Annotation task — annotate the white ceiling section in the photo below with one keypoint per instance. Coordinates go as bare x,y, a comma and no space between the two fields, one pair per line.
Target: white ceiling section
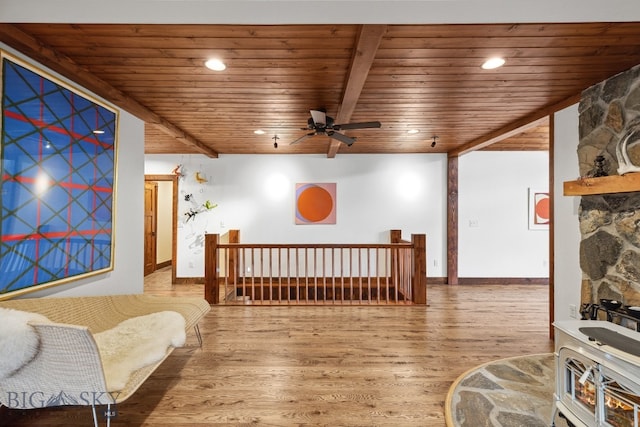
317,12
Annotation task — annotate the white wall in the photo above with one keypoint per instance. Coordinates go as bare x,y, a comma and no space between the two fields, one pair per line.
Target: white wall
494,238
375,193
255,194
568,274
127,275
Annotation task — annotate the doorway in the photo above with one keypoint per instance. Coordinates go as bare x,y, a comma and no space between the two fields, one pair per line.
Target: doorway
151,221
150,226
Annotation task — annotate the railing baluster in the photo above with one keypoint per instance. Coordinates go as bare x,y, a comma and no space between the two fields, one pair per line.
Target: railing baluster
359,251
388,297
369,275
279,274
396,292
252,275
379,274
315,275
297,276
324,275
226,272
288,274
270,256
333,274
243,262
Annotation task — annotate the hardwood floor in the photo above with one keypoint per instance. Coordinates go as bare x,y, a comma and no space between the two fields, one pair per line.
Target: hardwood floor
327,366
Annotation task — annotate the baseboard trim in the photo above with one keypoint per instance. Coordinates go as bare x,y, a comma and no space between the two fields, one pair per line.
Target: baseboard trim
503,281
189,281
163,264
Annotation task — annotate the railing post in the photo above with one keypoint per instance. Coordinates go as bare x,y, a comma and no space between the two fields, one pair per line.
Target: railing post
395,236
232,273
211,285
419,281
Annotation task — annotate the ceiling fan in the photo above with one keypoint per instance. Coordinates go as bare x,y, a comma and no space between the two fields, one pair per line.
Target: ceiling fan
321,124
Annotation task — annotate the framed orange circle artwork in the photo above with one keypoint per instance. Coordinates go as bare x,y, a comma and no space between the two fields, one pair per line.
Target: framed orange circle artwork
315,203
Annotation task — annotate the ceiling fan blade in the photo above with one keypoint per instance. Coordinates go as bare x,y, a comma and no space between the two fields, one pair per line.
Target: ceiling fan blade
319,117
363,125
342,138
302,138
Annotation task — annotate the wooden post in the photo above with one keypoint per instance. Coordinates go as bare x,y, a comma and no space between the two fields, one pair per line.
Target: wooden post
211,287
419,281
452,220
232,273
395,236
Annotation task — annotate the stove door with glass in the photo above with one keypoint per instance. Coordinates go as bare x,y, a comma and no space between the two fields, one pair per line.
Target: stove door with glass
596,385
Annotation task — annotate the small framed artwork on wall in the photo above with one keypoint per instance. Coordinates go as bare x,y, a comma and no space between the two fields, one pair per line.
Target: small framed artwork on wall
539,212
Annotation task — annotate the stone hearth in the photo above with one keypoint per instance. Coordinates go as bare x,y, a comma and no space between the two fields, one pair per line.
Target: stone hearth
505,393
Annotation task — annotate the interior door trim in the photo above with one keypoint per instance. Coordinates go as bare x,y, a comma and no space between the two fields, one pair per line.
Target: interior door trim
174,220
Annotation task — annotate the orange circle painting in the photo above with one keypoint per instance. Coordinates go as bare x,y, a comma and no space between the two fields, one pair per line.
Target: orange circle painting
315,204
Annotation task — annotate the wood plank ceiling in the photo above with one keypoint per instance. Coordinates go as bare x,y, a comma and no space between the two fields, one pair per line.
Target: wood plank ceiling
425,77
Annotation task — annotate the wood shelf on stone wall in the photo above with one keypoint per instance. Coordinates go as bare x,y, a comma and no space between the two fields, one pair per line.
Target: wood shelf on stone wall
603,185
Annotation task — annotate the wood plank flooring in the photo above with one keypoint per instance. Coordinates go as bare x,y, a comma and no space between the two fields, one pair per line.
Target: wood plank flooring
326,366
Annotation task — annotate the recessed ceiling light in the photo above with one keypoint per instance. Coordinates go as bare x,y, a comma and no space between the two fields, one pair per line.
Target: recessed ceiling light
258,132
215,65
413,131
492,63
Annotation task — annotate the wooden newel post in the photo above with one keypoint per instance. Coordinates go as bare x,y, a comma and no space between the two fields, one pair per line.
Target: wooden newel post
419,281
395,236
211,291
232,267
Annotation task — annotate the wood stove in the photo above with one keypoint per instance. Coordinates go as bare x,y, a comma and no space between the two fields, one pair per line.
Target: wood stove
597,374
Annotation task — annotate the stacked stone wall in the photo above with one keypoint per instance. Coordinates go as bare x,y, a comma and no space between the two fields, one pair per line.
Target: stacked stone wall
609,224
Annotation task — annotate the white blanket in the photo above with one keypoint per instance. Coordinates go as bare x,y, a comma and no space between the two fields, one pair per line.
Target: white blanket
19,341
138,342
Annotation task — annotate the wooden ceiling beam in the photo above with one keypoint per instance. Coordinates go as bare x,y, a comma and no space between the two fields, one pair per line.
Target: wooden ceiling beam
513,128
367,44
64,65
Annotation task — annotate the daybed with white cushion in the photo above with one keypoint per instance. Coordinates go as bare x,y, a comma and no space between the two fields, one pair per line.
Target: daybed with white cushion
76,350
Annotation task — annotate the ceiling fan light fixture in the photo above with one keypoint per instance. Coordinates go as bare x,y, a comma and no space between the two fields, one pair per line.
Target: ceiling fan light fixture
215,64
493,63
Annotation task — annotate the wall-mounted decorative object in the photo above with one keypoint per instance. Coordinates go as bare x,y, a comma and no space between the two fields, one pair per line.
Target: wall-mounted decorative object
177,171
538,210
315,203
200,178
628,140
58,164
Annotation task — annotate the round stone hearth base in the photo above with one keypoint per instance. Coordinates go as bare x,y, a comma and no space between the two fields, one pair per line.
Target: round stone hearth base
511,392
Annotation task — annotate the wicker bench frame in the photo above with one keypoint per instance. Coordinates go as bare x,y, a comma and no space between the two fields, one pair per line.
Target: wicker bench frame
67,369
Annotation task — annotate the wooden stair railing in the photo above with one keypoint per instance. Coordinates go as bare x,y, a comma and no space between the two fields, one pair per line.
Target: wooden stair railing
271,274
